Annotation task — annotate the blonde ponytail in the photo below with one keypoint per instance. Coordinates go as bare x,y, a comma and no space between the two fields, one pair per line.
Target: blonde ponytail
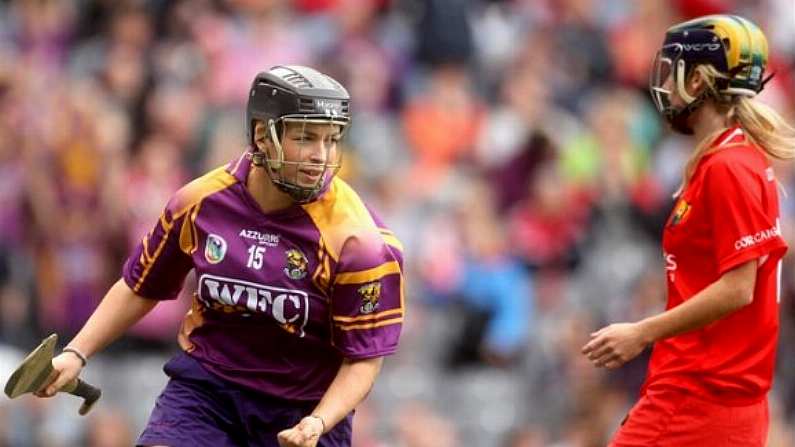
762,125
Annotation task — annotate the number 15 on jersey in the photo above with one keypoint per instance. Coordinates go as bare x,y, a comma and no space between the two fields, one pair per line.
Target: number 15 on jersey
255,255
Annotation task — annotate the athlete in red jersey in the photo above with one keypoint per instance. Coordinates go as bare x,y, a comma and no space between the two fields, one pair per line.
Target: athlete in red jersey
715,345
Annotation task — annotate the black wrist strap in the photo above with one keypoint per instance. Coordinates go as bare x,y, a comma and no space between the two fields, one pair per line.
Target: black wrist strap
77,353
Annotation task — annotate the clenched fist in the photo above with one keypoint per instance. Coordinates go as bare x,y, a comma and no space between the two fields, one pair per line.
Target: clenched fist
306,433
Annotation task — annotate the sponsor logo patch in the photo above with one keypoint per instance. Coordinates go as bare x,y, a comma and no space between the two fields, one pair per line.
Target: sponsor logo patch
701,46
269,239
329,106
749,240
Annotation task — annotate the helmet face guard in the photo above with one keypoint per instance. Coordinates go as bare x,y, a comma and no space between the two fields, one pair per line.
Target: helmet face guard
667,76
305,175
663,68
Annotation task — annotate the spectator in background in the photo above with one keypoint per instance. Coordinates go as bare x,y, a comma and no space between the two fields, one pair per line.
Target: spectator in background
69,208
515,138
442,124
439,432
494,290
550,225
444,33
109,429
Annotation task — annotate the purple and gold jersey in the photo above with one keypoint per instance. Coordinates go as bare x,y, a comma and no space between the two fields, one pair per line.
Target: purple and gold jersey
282,297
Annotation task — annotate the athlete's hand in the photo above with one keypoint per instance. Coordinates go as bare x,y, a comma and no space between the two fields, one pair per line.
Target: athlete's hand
614,345
66,367
304,434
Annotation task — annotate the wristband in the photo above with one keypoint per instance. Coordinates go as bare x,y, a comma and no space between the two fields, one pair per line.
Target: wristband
80,355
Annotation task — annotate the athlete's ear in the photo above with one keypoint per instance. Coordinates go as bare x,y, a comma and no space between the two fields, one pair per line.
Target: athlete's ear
696,83
261,136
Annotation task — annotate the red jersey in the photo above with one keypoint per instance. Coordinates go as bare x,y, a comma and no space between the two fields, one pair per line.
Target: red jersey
728,215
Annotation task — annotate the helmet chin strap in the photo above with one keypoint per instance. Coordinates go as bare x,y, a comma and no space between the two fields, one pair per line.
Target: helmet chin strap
260,158
279,162
680,82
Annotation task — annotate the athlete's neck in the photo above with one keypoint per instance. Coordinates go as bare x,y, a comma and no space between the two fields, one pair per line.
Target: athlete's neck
707,121
265,193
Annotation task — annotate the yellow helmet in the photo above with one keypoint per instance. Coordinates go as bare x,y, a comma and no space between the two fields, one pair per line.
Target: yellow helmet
734,46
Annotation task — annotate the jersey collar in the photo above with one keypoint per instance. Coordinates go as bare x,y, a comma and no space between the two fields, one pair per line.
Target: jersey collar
733,134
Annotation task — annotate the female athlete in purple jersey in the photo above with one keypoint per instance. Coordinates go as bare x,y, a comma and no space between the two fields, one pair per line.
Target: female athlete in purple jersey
300,285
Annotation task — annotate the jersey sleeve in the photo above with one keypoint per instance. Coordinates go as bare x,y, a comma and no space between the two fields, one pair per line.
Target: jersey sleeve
743,214
158,265
367,302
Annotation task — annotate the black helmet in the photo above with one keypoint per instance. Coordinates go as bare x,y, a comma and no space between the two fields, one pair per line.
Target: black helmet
294,93
734,46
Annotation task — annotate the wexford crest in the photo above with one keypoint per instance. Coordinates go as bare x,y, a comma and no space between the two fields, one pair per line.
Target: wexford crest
297,264
370,293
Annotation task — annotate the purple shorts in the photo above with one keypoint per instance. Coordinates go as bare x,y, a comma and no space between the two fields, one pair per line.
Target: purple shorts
198,409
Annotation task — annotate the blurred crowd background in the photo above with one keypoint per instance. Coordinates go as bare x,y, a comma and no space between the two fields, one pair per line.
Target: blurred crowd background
511,145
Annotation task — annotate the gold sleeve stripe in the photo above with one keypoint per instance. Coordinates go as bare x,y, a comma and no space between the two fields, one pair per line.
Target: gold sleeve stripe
187,239
326,268
392,240
323,271
375,316
167,230
402,292
319,268
370,325
146,258
375,273
188,235
195,231
145,252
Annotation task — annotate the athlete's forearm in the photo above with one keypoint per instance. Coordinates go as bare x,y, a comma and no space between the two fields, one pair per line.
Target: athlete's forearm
119,309
354,380
733,291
